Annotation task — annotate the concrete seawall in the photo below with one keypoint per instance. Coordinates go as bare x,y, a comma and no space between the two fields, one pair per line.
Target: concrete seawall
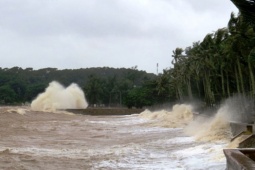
105,111
243,157
240,159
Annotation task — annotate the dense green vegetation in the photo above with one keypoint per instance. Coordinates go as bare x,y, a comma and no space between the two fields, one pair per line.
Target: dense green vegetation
221,65
102,86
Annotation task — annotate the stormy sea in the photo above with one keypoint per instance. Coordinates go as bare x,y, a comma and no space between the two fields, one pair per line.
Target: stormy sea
40,136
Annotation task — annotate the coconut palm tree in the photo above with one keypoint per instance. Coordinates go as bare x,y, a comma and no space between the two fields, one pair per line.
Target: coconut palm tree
177,72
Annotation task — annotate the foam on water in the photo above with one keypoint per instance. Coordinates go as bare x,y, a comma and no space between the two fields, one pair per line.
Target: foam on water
203,156
180,116
117,142
20,111
128,142
184,153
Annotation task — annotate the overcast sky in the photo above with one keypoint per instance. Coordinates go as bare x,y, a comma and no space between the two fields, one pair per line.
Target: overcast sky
96,33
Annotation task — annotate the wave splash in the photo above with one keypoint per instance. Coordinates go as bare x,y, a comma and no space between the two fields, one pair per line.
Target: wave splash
203,128
180,116
56,96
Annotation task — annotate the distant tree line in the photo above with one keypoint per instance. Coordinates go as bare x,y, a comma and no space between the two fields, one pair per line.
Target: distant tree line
102,86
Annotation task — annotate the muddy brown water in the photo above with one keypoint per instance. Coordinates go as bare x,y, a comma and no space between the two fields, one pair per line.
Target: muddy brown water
40,140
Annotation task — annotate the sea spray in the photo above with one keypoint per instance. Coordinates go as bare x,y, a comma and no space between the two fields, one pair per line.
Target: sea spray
202,127
180,116
238,108
57,96
211,129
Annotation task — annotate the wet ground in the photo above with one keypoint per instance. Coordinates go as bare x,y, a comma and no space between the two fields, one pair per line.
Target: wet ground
40,140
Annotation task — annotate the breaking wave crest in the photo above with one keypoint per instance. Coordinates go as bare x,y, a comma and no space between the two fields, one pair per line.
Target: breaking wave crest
180,116
57,96
211,129
203,128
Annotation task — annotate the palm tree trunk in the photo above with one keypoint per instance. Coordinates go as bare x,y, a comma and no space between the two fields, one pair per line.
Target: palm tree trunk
237,81
222,83
252,79
208,91
189,89
205,91
198,89
228,90
179,93
240,74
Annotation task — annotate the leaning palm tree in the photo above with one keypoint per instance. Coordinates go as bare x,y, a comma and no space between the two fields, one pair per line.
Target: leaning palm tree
247,9
177,54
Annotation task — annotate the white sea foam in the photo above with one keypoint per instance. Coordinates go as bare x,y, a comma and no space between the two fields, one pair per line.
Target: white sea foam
180,116
112,143
20,111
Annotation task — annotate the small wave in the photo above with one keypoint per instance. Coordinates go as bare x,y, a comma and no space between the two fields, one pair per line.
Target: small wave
20,111
180,116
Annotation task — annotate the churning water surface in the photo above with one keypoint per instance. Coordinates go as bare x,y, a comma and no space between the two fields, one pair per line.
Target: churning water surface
45,140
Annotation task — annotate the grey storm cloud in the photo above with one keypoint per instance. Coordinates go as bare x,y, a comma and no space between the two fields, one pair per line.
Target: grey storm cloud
86,18
96,33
